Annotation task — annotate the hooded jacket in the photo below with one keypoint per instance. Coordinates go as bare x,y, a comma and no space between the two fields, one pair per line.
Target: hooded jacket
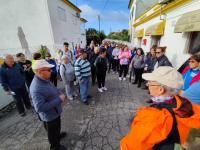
152,126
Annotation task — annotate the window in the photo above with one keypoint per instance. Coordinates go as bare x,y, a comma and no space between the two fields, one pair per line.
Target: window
194,46
155,40
62,14
74,19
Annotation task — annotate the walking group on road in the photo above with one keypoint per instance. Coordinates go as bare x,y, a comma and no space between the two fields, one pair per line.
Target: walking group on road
163,125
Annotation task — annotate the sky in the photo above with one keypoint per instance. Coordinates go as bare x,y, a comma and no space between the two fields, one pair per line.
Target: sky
114,14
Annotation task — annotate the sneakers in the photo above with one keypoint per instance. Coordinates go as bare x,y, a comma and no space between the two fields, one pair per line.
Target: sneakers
100,90
70,98
124,79
120,78
104,88
23,114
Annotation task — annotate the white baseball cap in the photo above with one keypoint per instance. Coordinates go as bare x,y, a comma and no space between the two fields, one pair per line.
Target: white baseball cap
42,63
165,75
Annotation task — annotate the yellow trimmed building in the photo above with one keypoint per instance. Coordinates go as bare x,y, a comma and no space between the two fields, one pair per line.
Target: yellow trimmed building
171,23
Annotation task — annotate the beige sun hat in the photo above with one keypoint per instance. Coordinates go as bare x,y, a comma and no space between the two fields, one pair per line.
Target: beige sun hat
42,63
165,75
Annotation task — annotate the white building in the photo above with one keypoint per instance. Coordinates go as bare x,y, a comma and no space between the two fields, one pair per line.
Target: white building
28,24
175,24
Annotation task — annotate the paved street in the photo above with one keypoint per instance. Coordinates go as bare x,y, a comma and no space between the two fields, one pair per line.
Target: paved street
98,126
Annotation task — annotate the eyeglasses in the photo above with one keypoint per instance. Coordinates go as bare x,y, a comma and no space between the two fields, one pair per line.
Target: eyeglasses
191,61
49,70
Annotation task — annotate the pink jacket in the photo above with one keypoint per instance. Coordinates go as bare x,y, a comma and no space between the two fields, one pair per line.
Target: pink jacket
124,57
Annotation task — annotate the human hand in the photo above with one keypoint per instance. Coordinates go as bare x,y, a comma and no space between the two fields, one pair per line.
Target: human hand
62,97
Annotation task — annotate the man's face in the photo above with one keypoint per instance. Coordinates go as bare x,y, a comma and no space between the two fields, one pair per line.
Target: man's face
66,47
9,61
45,73
159,53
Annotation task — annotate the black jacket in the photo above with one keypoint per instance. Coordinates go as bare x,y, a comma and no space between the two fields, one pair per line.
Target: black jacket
101,65
163,61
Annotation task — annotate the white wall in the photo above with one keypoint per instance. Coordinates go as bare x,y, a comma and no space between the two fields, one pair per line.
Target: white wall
63,31
32,17
177,43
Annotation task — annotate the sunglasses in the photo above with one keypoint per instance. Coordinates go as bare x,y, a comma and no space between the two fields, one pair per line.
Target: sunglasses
49,70
158,52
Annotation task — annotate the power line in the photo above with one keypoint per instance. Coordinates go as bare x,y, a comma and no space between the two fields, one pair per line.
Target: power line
105,5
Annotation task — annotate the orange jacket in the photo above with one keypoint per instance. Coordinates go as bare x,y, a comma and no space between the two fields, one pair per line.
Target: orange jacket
151,125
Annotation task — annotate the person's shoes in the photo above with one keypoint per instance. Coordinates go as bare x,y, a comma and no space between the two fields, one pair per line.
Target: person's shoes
149,101
23,114
124,79
70,98
120,78
86,103
134,83
104,88
139,86
63,135
89,96
62,147
100,90
75,95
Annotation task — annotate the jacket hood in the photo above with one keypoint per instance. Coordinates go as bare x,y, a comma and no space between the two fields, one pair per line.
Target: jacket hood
183,107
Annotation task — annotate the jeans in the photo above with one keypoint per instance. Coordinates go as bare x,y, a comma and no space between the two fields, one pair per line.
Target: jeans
69,87
21,98
84,86
53,132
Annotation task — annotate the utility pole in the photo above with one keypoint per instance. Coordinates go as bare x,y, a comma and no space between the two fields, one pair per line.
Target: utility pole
99,19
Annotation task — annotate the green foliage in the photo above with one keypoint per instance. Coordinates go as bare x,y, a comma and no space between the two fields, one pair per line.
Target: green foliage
42,51
94,35
123,35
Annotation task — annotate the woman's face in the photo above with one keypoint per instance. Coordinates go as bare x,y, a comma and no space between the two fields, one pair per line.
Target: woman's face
139,52
152,51
65,60
193,64
155,89
126,49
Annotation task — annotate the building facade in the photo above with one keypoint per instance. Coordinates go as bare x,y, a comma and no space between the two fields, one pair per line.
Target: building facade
28,24
174,24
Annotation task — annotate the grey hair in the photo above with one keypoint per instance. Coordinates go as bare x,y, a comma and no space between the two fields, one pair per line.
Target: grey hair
169,90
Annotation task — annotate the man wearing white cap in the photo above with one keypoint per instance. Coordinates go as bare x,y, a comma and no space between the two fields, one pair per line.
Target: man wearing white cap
167,122
47,102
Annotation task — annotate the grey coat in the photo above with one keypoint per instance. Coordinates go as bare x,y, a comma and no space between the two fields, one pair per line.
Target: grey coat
67,72
137,62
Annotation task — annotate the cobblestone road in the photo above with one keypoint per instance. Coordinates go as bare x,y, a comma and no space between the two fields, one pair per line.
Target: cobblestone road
98,126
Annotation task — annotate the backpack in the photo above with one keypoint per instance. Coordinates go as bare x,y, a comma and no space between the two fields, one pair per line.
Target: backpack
172,142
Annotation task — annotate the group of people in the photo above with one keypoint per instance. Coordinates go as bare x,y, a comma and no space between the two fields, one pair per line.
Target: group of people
174,99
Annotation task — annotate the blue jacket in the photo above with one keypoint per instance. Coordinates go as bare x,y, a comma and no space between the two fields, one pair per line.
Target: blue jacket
45,99
12,78
53,62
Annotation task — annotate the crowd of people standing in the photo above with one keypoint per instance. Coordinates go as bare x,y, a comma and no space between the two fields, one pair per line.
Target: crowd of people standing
36,81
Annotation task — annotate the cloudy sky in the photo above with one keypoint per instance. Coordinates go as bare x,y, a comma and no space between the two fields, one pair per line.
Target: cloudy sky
114,13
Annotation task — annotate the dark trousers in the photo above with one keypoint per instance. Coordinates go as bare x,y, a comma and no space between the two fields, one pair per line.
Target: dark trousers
53,132
123,69
116,65
101,77
21,98
110,65
93,72
53,79
138,75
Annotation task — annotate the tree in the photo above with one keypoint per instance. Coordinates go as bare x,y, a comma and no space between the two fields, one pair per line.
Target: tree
123,35
93,35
